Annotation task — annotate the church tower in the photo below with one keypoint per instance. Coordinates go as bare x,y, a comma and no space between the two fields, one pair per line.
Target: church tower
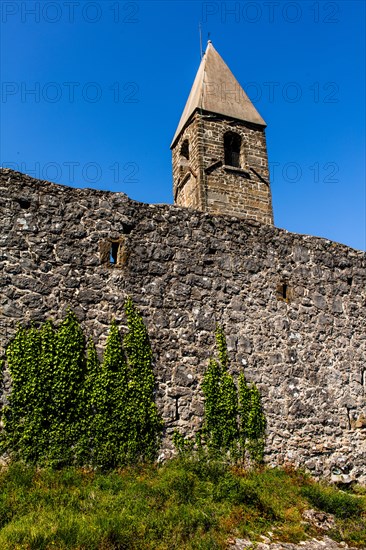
220,162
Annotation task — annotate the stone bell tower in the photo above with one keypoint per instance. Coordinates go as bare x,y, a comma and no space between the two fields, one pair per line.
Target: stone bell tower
220,162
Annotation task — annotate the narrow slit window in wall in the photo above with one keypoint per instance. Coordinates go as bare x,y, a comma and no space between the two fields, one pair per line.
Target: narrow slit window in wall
283,292
113,253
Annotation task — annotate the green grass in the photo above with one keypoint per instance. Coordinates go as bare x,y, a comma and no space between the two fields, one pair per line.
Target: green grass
184,504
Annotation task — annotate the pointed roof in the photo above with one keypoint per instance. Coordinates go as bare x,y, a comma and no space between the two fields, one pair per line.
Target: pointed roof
216,89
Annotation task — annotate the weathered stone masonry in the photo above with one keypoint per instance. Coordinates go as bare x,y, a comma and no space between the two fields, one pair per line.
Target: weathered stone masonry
293,306
205,183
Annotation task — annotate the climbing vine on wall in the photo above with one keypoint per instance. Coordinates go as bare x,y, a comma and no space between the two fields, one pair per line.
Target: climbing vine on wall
47,369
67,408
126,422
254,424
221,401
144,424
234,421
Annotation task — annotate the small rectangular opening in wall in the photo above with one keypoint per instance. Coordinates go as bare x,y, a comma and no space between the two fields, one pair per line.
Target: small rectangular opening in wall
283,292
113,253
349,281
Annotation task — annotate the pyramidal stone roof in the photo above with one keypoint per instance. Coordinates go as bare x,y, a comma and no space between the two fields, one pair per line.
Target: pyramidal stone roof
216,89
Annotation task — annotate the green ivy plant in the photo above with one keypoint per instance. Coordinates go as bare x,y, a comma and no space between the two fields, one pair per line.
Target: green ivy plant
256,426
84,449
127,423
67,408
144,422
221,401
234,422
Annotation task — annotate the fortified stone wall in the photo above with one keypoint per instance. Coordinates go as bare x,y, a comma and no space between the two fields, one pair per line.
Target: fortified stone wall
292,306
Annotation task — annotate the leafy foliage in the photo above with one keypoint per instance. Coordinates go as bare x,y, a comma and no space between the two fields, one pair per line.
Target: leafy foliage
86,410
221,401
66,408
144,423
33,413
234,420
127,423
109,397
66,385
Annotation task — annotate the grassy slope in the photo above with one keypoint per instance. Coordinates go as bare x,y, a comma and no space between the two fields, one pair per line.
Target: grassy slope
184,505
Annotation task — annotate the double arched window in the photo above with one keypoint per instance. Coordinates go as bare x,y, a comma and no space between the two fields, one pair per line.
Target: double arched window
232,146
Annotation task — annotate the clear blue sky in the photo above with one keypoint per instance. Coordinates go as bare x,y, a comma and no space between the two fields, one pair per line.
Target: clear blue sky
110,80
